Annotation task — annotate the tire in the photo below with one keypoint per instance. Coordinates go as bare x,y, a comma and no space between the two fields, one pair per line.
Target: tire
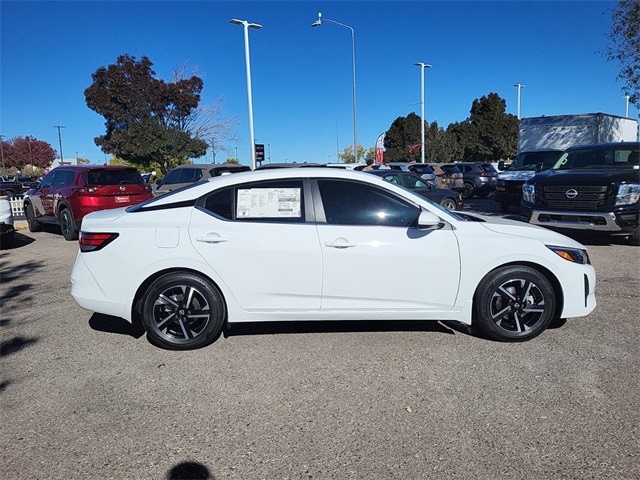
449,203
30,214
67,225
504,208
182,311
514,304
468,191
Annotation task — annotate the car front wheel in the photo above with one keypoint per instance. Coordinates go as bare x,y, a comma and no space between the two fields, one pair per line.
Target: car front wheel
449,203
182,311
514,304
67,225
468,191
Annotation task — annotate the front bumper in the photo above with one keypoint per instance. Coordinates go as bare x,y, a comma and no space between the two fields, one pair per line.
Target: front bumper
597,221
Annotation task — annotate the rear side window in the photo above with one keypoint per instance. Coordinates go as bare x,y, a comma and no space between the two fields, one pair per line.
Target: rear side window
113,177
275,201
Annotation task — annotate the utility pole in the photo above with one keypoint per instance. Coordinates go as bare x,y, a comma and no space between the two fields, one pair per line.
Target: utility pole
2,154
60,140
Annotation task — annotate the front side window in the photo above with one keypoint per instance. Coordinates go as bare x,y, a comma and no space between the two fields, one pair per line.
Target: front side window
353,203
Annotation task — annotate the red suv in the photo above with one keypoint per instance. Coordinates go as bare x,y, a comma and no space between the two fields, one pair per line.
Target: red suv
67,193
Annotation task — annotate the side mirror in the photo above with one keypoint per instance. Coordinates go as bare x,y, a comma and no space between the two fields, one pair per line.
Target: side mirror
501,165
539,167
428,220
34,185
158,182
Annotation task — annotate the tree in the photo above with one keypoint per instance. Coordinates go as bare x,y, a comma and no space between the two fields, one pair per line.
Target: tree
19,152
404,138
347,154
625,46
147,120
489,134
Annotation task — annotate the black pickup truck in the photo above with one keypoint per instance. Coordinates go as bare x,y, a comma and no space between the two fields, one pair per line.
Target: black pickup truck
16,185
591,187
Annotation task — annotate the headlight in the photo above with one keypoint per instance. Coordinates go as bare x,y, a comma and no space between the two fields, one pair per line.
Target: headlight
628,194
574,255
529,193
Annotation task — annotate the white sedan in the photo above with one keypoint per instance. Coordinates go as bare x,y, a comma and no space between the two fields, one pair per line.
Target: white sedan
321,244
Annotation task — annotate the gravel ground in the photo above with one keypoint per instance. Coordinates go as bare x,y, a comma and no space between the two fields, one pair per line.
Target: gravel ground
87,396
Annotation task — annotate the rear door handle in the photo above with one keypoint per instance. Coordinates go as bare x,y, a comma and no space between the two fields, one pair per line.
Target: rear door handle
211,238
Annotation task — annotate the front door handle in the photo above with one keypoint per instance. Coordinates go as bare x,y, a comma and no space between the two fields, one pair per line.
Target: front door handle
340,243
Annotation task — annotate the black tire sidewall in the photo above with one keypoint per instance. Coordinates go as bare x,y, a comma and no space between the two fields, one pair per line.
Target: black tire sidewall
66,217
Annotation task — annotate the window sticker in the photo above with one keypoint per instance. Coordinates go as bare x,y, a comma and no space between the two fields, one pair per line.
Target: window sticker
269,203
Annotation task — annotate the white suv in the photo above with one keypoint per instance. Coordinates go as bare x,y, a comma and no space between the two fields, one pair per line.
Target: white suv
7,231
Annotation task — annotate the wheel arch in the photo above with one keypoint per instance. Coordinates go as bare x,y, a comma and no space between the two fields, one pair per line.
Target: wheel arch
137,299
553,280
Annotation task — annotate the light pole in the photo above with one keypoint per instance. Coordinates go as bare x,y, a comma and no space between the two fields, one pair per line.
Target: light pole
519,86
626,112
247,26
60,140
422,66
319,22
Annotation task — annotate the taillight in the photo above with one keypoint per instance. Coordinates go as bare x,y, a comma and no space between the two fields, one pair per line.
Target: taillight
91,189
91,242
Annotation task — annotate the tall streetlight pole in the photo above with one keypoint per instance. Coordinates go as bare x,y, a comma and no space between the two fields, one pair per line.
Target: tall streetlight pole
247,26
60,140
626,112
319,22
519,86
422,66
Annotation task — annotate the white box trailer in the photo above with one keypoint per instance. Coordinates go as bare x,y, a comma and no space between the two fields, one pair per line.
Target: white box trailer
560,132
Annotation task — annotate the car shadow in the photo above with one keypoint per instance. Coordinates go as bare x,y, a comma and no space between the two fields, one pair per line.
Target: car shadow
111,324
359,326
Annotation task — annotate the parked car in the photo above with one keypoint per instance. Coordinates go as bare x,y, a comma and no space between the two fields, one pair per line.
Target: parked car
7,230
310,244
68,193
480,179
424,170
449,199
12,187
269,166
184,175
448,176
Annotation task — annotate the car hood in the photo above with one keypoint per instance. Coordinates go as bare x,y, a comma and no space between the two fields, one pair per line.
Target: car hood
517,228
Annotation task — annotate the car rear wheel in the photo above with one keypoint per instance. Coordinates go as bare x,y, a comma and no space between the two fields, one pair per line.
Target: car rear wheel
182,311
32,223
634,237
468,191
67,225
449,203
514,304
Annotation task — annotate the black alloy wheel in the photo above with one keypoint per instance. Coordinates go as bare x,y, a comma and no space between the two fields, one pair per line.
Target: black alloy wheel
182,311
514,304
67,225
30,214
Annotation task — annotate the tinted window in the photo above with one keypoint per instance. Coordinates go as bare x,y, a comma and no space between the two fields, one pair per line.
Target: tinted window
64,178
351,203
113,177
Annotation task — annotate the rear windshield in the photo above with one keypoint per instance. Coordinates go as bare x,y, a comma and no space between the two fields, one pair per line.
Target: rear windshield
421,169
113,177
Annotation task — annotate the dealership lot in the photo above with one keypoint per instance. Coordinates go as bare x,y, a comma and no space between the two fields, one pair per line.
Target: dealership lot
86,395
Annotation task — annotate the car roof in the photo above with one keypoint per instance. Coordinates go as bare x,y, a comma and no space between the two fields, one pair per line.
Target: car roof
95,167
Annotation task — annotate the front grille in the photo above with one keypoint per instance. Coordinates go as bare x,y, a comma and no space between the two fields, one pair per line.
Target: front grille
588,197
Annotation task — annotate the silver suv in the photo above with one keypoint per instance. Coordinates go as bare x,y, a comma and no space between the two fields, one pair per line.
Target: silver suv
184,175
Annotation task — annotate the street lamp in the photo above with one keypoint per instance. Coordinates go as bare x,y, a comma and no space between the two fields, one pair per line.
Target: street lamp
247,26
626,113
422,68
519,86
319,22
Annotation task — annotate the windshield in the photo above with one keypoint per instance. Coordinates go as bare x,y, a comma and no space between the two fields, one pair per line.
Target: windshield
529,160
600,158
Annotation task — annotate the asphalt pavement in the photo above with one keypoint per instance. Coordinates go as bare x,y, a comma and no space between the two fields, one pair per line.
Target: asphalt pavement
87,396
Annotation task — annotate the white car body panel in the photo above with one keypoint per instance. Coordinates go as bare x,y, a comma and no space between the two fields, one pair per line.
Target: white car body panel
265,274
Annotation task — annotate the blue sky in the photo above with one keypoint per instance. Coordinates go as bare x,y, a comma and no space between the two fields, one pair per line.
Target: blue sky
302,76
